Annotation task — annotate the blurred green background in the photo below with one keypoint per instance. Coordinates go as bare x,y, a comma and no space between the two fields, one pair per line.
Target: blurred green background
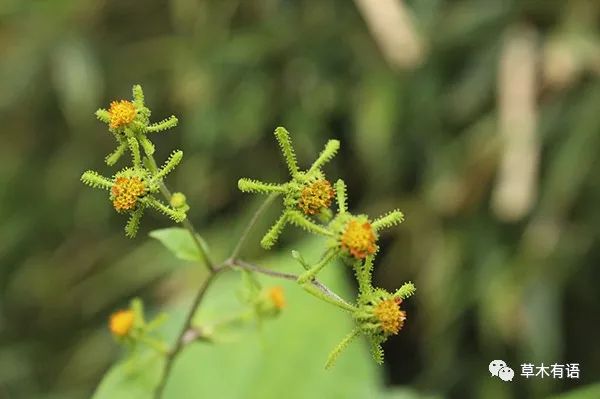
479,119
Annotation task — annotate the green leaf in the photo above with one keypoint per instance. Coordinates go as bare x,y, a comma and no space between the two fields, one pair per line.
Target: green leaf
180,242
284,357
133,378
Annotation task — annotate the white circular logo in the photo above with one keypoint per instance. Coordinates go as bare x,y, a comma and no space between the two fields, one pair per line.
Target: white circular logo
495,366
506,374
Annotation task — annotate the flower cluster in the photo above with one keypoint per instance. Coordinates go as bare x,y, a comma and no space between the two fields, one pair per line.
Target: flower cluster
378,314
306,195
307,198
353,238
133,189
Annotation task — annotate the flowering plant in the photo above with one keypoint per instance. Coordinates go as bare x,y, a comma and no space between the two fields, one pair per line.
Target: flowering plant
307,199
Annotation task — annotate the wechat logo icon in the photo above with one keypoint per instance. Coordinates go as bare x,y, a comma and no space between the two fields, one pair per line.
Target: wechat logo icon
499,368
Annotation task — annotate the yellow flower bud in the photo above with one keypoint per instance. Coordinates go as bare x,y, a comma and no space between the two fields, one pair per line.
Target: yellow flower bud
277,297
178,200
121,323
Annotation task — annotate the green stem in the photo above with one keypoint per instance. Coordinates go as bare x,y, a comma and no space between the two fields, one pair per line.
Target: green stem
363,274
180,343
259,211
309,274
186,222
318,286
311,289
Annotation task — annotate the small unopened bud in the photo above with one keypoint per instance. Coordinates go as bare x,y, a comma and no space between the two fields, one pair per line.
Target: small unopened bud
277,297
270,302
178,201
121,323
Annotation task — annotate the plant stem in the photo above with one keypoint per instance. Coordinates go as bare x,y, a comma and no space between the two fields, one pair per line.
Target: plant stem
310,273
196,333
310,288
184,335
186,222
259,211
318,289
180,343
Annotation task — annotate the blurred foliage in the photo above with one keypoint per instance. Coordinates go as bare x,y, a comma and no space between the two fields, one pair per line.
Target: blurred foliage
424,140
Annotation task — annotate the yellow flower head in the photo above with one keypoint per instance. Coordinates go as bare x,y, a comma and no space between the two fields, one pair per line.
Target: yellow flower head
121,323
316,196
359,239
390,317
121,113
276,296
126,191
